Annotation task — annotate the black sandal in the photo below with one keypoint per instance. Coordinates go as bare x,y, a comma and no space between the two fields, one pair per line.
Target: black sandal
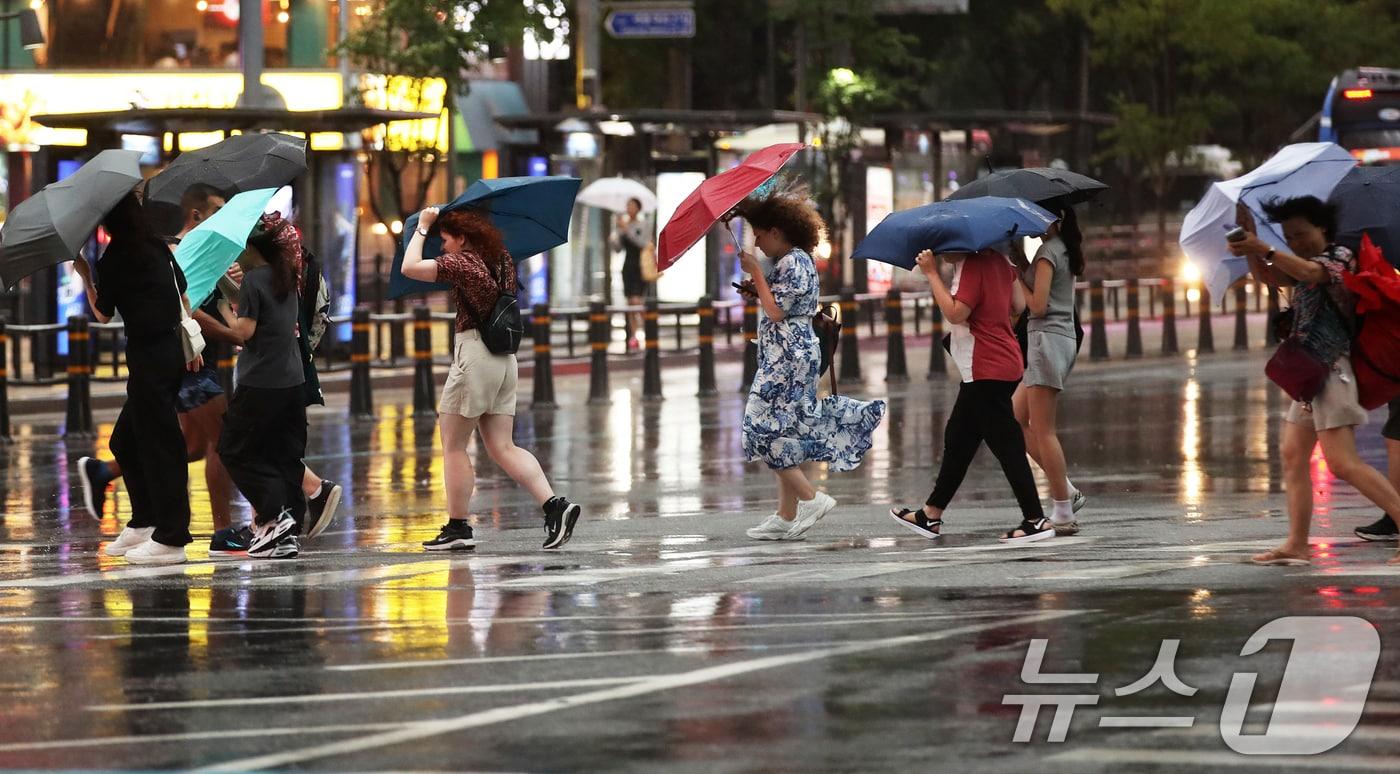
1031,531
920,524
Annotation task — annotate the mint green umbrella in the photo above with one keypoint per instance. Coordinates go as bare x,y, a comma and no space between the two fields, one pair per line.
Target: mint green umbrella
210,248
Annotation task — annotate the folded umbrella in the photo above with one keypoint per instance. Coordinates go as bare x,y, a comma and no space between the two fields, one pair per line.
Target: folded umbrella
244,162
961,226
1301,169
1052,189
613,194
532,214
209,249
51,226
1368,203
717,196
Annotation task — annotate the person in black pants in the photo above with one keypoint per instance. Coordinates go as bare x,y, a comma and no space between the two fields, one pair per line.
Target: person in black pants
138,278
985,295
264,435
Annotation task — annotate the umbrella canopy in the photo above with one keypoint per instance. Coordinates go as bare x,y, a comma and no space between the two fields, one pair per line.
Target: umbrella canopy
51,226
963,226
532,213
210,248
1368,203
1052,189
716,196
613,193
1301,169
243,162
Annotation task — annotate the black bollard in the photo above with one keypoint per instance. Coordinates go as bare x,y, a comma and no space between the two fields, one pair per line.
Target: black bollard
706,311
599,332
361,393
4,384
1270,335
1241,319
1098,334
651,364
896,366
1205,340
1169,346
750,344
1134,326
544,360
78,423
937,365
424,398
850,338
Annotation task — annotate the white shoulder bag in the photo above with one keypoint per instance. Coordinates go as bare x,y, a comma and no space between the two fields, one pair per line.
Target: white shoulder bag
191,337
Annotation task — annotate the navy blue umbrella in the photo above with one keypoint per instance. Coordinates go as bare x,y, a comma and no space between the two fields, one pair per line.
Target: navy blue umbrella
1368,202
959,226
532,213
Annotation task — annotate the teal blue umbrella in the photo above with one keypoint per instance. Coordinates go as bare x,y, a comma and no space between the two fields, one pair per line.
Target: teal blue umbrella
207,252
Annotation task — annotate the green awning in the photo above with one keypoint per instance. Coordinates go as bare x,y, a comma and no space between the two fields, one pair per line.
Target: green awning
475,128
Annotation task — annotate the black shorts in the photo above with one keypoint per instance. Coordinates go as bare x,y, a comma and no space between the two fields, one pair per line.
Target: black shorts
1392,424
632,284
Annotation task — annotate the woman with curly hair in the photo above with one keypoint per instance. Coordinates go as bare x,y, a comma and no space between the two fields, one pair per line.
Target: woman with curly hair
480,389
784,423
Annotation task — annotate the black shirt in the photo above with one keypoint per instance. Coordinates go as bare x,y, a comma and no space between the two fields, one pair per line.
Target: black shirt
138,279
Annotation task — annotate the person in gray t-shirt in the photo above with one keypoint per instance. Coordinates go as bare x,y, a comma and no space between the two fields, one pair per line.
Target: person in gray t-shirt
1051,348
271,356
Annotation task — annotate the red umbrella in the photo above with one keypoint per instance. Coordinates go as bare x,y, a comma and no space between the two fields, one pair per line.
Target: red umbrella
716,196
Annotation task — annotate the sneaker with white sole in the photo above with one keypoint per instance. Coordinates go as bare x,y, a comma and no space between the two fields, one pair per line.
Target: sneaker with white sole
773,527
95,477
129,538
809,512
1077,500
288,547
151,552
1031,532
320,510
266,536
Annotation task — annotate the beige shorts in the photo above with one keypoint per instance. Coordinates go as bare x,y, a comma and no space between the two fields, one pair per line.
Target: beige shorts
1336,406
479,382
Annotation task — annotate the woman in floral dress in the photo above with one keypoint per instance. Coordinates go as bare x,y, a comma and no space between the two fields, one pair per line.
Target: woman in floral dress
784,423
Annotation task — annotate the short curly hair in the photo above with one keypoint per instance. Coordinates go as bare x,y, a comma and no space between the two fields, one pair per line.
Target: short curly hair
793,215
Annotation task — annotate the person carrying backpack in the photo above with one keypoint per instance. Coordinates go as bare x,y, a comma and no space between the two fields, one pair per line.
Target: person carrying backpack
480,389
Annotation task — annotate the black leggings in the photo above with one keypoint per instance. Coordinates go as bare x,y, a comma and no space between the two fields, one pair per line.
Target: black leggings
263,441
983,412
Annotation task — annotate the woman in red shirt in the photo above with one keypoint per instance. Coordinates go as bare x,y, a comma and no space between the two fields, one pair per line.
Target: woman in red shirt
986,295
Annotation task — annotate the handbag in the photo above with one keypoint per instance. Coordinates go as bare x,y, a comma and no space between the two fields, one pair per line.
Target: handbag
1297,371
191,337
648,262
826,323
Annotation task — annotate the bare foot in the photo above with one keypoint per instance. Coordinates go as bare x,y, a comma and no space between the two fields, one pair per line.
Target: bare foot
1282,557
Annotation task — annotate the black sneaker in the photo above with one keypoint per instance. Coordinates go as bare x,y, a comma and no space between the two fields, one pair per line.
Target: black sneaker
286,548
231,541
455,534
320,510
1382,530
267,536
95,478
559,518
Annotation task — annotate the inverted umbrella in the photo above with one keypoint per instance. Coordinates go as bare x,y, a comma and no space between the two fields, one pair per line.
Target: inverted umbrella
962,226
51,226
717,196
1368,202
1301,169
244,162
613,194
210,248
532,214
1051,188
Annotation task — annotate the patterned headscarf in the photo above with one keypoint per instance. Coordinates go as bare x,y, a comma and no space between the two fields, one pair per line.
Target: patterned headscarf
285,236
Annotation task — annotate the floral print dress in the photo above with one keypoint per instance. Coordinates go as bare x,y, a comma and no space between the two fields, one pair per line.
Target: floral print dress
784,423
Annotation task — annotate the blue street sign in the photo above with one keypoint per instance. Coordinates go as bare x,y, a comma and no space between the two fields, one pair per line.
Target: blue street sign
652,23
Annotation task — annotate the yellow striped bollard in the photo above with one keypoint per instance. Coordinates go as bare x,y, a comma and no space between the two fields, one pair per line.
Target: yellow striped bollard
1098,333
78,423
705,309
544,358
361,393
651,365
896,365
599,332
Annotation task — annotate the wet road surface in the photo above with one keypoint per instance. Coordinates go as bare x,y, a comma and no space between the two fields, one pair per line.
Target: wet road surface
662,637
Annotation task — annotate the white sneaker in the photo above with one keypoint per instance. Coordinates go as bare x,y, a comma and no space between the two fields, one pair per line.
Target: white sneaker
1077,500
151,552
774,527
129,538
266,536
809,512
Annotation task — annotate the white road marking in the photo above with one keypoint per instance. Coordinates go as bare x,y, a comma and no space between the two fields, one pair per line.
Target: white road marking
431,728
196,736
1198,760
403,693
845,571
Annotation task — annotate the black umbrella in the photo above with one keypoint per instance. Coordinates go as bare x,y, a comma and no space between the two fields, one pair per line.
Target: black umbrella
1052,189
245,162
51,226
1368,201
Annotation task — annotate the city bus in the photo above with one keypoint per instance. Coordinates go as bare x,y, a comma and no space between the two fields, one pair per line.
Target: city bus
1362,114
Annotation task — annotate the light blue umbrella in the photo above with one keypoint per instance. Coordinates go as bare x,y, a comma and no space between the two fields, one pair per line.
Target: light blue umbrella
207,252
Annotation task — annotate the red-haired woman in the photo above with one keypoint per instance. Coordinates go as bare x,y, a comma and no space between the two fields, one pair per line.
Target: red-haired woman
480,389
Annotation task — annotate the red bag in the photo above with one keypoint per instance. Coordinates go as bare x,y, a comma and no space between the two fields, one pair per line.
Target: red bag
1297,371
1375,351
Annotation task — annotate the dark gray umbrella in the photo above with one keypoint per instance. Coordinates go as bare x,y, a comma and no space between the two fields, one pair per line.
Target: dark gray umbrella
1052,189
51,226
1368,202
245,162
